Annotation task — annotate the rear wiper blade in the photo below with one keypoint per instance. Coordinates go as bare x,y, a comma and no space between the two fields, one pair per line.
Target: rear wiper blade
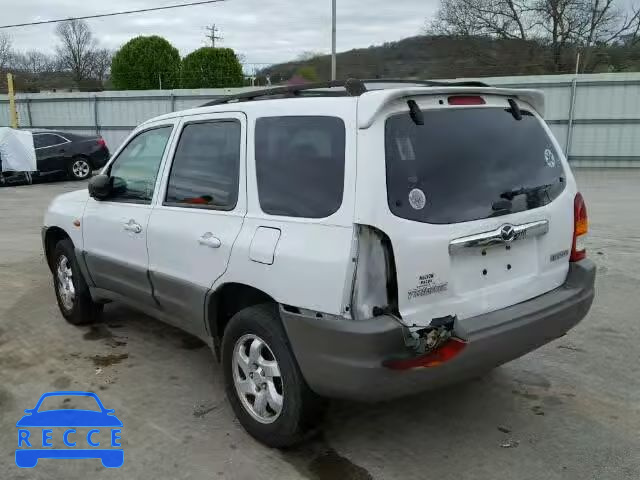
511,194
501,207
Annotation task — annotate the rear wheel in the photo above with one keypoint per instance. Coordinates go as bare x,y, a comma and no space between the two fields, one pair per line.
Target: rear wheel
79,168
263,382
72,292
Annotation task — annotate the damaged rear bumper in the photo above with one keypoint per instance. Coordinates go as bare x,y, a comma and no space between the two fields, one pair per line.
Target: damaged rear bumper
344,359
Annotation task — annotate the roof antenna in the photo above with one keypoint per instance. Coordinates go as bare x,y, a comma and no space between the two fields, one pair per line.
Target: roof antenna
415,112
515,109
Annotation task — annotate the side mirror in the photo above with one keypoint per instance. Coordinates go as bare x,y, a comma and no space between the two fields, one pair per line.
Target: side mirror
100,187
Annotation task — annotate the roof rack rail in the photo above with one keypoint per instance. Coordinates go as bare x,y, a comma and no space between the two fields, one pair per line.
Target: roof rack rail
352,87
429,83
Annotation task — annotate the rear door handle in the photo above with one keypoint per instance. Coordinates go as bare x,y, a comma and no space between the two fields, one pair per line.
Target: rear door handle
133,226
209,240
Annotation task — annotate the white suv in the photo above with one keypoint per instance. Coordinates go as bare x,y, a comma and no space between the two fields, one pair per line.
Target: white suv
351,241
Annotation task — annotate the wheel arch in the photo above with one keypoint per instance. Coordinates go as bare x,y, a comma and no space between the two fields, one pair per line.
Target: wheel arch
227,300
51,238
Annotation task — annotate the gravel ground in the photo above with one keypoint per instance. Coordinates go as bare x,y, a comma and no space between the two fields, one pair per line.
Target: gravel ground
570,410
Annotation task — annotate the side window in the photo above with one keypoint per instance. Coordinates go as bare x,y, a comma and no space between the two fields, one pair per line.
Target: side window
300,165
43,140
135,170
38,141
206,166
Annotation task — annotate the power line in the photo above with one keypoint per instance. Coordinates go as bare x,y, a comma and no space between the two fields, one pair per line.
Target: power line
127,12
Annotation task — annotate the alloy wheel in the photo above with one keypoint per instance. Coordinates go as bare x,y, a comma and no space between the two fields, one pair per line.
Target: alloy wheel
64,279
80,169
257,379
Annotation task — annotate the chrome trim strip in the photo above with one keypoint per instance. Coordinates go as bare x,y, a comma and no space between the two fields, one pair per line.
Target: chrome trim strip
502,235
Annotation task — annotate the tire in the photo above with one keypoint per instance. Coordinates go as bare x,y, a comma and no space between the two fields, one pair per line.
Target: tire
301,410
79,168
72,292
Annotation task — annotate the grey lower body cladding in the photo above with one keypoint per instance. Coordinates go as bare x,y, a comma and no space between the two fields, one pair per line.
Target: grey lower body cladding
344,359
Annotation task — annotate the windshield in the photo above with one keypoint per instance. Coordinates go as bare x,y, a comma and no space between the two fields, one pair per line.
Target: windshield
469,163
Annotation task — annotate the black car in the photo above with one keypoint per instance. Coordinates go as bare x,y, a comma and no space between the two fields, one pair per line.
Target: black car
74,155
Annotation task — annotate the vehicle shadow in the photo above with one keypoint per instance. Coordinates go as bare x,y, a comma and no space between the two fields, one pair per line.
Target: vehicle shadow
399,438
116,316
394,439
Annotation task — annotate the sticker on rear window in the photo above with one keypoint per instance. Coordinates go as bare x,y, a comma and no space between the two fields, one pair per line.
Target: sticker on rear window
417,199
549,158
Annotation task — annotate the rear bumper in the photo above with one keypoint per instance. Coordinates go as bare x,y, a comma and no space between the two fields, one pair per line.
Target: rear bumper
343,359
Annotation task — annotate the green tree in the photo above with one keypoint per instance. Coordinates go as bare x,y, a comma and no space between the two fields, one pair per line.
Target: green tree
145,63
210,67
308,72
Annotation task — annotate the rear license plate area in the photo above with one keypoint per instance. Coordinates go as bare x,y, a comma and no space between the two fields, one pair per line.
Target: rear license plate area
474,268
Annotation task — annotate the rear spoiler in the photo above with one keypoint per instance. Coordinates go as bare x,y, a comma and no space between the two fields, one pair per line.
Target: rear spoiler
371,103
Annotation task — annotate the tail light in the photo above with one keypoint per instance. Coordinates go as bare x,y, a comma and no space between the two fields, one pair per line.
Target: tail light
466,100
101,142
447,351
580,228
375,288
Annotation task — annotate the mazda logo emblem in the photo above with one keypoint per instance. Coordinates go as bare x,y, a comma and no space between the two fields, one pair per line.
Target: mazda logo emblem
507,233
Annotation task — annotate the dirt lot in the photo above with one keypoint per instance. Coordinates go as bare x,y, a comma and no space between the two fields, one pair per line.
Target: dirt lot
568,410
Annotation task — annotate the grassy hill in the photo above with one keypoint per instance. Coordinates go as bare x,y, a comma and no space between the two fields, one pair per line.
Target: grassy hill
450,57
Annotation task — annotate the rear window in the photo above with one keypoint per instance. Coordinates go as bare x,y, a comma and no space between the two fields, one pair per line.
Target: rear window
300,165
468,164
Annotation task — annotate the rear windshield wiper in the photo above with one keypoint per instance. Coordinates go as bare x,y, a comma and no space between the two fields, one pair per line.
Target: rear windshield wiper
501,207
528,191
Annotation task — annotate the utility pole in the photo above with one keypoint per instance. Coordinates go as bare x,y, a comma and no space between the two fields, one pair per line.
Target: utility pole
13,113
333,39
572,108
212,35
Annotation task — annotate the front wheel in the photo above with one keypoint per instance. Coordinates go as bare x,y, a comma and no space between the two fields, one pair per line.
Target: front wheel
264,385
72,292
79,168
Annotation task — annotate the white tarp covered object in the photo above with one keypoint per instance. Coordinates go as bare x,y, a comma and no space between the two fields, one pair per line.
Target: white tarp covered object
17,153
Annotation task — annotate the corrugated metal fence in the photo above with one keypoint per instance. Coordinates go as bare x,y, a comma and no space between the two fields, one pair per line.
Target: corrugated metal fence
595,117
112,114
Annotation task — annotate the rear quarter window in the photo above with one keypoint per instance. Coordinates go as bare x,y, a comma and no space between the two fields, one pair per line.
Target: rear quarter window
467,164
300,165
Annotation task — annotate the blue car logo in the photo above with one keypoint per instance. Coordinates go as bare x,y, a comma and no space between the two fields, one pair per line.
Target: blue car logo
65,427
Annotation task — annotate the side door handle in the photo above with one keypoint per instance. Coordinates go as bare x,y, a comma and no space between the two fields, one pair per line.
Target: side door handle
133,226
209,240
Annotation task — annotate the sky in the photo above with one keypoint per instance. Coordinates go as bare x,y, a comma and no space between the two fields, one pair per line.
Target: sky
264,32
